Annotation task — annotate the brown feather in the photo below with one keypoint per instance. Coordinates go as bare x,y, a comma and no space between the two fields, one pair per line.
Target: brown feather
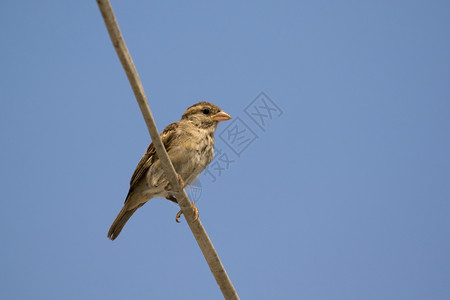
120,221
167,136
190,145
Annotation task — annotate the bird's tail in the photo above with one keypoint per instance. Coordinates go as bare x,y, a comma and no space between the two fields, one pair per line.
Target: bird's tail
120,221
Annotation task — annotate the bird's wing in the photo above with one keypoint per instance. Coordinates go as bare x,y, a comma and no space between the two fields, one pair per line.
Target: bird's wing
150,156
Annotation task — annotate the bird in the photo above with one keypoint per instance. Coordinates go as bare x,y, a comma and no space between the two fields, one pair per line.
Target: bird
190,146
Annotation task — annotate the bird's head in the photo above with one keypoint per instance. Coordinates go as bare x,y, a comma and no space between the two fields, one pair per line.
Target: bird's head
205,115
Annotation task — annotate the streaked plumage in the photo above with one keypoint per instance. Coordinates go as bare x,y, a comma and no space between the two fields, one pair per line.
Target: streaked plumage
190,145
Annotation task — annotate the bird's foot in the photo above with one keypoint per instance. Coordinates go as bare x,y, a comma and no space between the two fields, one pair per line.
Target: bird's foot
168,186
172,198
181,181
196,213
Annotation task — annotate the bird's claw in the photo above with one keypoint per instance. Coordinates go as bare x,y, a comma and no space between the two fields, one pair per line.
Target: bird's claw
178,216
181,181
172,198
196,213
168,186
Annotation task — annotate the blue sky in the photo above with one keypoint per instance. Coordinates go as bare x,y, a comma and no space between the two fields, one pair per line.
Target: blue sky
343,193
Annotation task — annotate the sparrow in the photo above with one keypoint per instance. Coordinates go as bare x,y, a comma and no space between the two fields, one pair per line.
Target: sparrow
190,145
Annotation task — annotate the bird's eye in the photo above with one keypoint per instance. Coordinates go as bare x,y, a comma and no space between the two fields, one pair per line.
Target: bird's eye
206,111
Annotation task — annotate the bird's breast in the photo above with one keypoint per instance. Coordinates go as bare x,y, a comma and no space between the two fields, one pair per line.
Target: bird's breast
191,156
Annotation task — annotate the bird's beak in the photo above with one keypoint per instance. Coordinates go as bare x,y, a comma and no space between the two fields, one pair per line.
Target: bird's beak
221,116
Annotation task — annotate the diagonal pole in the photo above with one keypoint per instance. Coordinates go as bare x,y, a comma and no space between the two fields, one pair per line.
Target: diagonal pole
202,238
